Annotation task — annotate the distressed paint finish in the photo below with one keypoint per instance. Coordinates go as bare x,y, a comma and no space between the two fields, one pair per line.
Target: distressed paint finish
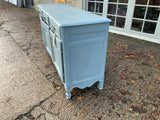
80,47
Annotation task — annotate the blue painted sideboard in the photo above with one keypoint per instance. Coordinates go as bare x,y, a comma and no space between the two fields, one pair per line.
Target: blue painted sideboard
76,40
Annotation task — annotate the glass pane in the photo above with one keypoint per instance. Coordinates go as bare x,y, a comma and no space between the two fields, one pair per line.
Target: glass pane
120,22
112,0
91,6
99,7
153,13
98,14
137,25
100,0
154,2
144,2
122,10
139,12
123,1
149,27
112,18
111,9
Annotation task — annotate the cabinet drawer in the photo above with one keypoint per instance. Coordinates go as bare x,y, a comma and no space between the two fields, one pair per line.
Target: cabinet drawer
54,27
44,16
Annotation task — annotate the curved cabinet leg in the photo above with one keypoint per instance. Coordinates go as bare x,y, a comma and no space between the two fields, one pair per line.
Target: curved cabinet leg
100,85
68,94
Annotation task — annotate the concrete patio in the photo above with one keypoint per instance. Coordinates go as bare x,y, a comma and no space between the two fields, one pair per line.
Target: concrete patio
131,86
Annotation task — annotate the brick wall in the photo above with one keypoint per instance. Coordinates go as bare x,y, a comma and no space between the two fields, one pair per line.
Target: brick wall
74,3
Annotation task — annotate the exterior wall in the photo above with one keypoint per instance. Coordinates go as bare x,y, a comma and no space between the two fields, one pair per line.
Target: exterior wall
74,3
36,2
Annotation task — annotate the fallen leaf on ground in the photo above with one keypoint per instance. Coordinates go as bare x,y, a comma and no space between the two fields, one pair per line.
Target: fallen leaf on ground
123,77
79,98
150,86
38,23
125,70
156,65
150,56
132,56
132,81
117,48
156,113
123,92
138,109
125,47
72,90
117,97
155,95
127,56
4,8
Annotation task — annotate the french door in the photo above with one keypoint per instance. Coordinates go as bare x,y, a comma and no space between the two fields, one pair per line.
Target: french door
135,18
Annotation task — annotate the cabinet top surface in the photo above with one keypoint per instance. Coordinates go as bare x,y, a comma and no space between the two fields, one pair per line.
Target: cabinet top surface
65,15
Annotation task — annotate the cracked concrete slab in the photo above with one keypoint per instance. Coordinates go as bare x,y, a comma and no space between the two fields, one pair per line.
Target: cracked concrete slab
22,84
135,97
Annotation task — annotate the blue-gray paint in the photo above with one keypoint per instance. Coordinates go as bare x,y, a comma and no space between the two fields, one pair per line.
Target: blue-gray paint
79,53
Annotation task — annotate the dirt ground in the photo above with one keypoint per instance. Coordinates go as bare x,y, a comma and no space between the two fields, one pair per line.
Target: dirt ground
132,76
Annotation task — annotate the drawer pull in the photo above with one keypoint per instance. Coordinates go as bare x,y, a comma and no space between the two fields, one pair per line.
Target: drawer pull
54,39
53,29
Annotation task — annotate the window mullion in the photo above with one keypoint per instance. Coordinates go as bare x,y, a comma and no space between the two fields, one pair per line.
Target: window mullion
95,7
115,23
129,15
145,15
157,31
105,8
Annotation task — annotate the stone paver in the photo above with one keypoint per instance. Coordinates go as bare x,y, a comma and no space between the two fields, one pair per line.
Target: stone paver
132,76
22,85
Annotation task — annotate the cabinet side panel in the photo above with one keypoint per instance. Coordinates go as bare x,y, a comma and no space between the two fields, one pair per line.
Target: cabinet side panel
85,54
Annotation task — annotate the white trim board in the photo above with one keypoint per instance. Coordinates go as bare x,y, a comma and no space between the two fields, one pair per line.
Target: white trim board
135,36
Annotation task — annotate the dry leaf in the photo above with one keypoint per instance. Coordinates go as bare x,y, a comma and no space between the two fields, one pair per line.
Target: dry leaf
132,81
117,97
125,70
123,77
79,98
132,56
150,56
155,113
38,23
117,48
125,47
72,90
156,65
150,86
138,109
155,95
127,56
123,91
4,8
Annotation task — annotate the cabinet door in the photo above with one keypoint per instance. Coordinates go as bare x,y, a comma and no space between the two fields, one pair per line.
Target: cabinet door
45,33
57,54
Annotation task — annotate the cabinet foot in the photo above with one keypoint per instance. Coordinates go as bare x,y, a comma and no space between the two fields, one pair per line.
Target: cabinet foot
100,85
68,94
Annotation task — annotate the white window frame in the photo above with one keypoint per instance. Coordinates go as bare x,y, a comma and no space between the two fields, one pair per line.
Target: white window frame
128,22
